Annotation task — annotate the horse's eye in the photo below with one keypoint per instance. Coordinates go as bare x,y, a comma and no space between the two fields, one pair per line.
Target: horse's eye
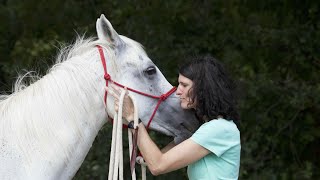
150,70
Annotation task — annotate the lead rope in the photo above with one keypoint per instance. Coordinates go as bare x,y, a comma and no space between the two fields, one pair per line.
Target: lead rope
116,154
143,164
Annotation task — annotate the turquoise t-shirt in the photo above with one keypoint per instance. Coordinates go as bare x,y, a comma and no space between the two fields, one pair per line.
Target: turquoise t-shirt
222,138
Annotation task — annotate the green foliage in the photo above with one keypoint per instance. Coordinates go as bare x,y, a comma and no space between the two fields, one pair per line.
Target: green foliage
270,47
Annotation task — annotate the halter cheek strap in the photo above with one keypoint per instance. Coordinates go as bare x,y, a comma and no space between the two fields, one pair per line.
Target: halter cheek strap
108,78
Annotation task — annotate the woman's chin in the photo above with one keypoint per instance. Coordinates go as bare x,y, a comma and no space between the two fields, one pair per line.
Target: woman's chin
185,106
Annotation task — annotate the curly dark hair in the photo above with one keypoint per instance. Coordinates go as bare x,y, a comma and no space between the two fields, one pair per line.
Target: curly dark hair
213,90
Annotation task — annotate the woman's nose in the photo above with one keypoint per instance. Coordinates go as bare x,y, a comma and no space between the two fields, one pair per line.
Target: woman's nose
178,92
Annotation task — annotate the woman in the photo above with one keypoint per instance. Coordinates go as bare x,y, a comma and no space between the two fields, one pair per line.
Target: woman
213,151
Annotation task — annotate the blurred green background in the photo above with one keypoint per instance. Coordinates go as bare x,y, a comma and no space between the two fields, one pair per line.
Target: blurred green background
271,48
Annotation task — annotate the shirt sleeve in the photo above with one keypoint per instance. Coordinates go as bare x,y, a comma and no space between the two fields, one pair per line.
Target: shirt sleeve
217,136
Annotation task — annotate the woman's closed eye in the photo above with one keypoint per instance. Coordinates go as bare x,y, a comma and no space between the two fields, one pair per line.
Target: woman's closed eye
183,85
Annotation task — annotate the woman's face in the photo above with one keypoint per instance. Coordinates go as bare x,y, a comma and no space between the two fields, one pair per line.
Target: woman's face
184,92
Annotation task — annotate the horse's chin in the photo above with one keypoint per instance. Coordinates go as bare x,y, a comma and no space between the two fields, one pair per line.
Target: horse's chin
178,136
164,130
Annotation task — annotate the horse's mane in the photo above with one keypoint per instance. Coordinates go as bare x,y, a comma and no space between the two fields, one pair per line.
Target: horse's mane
66,91
80,46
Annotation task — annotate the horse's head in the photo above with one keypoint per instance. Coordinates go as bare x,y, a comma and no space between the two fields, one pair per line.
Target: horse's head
133,68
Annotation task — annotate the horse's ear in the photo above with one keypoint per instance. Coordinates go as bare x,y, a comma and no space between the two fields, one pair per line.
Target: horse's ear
105,31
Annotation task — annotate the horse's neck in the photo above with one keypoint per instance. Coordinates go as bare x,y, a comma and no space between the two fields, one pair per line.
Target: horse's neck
53,122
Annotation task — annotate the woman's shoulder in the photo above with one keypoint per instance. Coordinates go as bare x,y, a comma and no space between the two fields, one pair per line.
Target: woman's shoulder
222,125
218,135
221,122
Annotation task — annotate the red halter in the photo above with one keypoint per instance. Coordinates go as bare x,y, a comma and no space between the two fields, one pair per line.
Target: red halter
107,77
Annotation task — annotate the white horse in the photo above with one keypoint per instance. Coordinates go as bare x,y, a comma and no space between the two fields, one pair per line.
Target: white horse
47,128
